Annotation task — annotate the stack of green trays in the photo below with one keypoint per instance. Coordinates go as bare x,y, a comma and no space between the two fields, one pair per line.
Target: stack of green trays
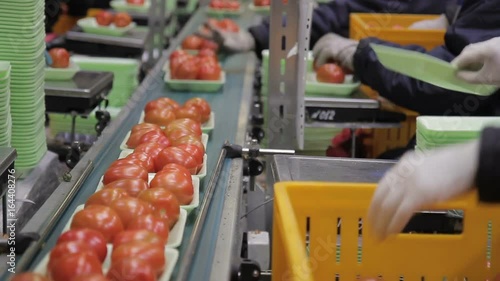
5,119
126,75
22,30
437,131
61,123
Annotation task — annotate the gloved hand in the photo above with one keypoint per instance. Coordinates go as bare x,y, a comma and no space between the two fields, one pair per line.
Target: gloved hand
439,23
421,179
233,42
480,63
338,48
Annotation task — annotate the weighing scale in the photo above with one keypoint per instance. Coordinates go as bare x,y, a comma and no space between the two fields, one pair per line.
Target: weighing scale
79,97
132,44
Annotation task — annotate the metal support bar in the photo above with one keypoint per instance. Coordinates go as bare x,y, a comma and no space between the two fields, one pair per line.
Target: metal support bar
289,44
197,228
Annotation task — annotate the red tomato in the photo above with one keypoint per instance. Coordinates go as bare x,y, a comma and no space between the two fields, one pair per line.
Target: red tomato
156,137
105,196
136,2
152,223
104,18
177,53
60,58
145,126
189,140
175,168
64,249
207,44
125,172
228,25
160,117
185,123
146,159
128,161
91,277
131,186
207,53
74,265
178,156
128,236
193,150
122,20
181,133
100,218
188,70
161,103
152,149
330,73
175,63
190,113
163,201
210,61
202,105
192,42
128,209
131,268
176,182
233,5
217,4
210,72
151,253
29,276
93,238
260,3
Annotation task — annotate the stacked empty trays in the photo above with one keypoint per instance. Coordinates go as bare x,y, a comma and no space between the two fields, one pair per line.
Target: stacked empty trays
5,119
126,75
22,30
435,132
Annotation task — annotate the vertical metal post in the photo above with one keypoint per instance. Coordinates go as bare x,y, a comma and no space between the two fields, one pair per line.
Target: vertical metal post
289,44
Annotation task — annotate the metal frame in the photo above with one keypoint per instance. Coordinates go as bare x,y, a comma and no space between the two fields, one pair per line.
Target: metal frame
156,25
290,27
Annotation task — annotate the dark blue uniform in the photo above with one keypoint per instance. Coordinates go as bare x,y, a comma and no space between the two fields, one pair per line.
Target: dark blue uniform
334,16
479,20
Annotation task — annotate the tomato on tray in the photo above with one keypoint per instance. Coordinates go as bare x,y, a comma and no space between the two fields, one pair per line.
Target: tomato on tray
136,2
194,150
133,187
178,156
104,18
128,236
122,20
145,158
153,254
203,107
29,276
175,168
125,172
106,196
131,268
100,218
129,161
93,238
184,123
192,42
63,249
74,265
156,137
188,70
192,113
161,117
60,58
164,202
189,139
177,182
91,277
164,103
330,73
152,223
130,208
152,149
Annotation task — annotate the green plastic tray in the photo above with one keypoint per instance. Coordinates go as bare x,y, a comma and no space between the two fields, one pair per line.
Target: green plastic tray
123,6
58,74
195,85
453,127
224,13
264,10
427,69
119,65
89,25
315,88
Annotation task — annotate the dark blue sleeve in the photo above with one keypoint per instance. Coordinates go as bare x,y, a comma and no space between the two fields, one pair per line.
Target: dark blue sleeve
410,93
488,171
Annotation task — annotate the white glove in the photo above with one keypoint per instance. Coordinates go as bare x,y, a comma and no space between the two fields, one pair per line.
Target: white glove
234,42
480,63
421,179
439,23
338,48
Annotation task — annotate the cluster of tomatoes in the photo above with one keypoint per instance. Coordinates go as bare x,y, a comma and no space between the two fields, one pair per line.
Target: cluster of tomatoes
194,42
203,66
231,5
60,58
105,18
224,24
264,3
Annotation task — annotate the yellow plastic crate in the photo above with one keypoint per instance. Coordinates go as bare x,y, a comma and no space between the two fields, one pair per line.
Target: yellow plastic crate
382,26
429,257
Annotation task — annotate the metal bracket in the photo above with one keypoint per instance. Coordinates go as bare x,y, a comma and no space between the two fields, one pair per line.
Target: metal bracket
103,117
248,270
74,154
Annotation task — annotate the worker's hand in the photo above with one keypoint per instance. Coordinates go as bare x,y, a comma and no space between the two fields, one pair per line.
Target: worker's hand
435,24
337,48
480,63
232,42
419,180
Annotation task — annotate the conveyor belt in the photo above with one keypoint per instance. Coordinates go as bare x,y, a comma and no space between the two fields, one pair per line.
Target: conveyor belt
231,108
